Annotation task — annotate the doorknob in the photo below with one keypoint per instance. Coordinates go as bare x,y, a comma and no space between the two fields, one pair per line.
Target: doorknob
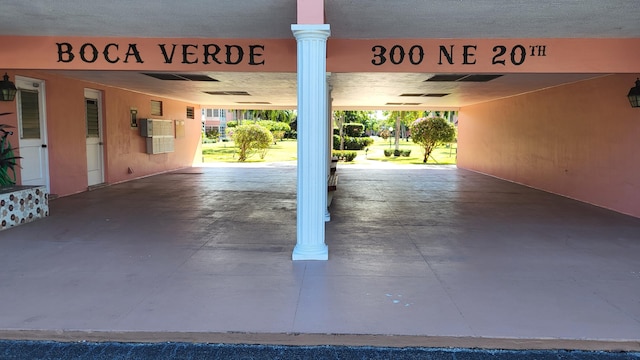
44,145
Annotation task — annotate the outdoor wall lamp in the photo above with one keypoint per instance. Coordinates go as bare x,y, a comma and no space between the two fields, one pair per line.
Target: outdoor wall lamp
634,95
7,89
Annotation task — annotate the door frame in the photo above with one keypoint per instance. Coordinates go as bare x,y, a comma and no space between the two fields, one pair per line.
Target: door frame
38,85
96,94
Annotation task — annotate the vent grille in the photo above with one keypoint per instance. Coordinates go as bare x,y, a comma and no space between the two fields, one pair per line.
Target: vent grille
180,77
446,77
190,112
156,108
425,95
480,78
395,104
465,78
227,93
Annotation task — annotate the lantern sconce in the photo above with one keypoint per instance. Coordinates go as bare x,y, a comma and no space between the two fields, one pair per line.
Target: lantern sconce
634,95
7,89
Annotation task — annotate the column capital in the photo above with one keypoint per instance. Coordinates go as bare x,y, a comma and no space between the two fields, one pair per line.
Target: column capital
311,31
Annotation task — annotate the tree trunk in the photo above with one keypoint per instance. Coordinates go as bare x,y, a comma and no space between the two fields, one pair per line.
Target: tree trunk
341,128
397,133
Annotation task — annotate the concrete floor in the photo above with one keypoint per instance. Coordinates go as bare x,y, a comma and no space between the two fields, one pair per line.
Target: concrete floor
435,256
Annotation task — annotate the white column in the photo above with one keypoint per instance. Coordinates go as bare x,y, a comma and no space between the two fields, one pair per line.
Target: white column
312,117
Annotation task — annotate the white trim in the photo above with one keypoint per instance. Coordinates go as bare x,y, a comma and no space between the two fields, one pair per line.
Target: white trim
27,83
96,94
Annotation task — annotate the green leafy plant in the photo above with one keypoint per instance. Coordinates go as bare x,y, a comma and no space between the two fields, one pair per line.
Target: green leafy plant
278,129
431,132
352,143
8,160
212,134
350,156
354,129
405,153
388,152
251,139
345,155
336,142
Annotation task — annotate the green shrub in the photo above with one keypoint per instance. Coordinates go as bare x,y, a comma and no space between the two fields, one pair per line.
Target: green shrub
352,143
232,124
356,143
336,142
277,128
405,153
251,139
291,134
350,155
212,134
366,142
431,132
388,152
344,155
353,129
396,152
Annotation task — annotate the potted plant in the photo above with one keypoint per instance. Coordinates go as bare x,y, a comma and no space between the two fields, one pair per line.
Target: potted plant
18,204
8,160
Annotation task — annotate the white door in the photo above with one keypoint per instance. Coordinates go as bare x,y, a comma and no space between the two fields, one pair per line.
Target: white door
32,127
93,117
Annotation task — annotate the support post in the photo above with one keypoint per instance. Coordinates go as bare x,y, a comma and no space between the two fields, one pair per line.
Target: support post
312,117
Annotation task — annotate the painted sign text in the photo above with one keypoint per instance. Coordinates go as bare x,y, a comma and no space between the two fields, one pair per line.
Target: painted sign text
114,53
465,54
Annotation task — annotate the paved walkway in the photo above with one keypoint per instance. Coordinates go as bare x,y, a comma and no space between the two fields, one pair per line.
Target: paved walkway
422,256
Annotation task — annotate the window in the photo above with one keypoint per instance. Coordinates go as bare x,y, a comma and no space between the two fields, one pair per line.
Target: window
30,110
190,112
215,113
156,108
93,123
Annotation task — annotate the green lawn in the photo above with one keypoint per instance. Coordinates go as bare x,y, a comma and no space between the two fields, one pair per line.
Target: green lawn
285,150
444,155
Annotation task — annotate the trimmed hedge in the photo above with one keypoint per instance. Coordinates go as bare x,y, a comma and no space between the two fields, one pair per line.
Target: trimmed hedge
345,155
352,143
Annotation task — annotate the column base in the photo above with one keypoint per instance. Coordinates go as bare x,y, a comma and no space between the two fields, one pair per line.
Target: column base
301,252
327,216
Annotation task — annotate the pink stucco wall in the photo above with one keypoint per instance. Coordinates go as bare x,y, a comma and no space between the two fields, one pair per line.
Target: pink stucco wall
124,148
579,140
310,11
